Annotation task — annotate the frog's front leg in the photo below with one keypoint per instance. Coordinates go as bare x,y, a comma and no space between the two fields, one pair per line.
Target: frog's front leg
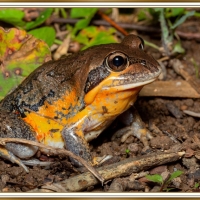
12,126
76,143
74,135
135,126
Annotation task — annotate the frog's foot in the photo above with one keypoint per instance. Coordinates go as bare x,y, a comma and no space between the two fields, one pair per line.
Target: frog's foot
135,127
4,153
143,134
8,155
36,162
15,152
100,160
140,132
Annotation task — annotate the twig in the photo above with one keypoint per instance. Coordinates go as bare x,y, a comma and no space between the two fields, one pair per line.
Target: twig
171,137
122,168
63,48
191,113
105,23
132,26
163,59
55,151
113,23
189,35
164,183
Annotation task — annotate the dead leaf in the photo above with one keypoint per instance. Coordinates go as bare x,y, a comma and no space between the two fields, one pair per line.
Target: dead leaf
20,54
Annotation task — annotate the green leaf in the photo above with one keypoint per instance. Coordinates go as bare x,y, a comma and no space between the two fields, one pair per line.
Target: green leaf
168,189
178,48
81,24
196,67
12,16
127,151
45,33
197,14
69,27
83,39
174,175
141,15
158,9
86,13
40,20
177,11
155,178
83,12
102,38
63,13
91,36
90,31
174,12
151,45
196,185
182,19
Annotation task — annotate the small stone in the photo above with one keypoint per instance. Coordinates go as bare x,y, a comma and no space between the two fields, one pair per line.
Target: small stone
189,102
184,107
165,144
5,189
189,153
156,189
158,170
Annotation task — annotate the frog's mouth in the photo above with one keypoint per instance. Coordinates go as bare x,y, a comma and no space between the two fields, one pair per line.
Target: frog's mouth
128,86
126,82
136,75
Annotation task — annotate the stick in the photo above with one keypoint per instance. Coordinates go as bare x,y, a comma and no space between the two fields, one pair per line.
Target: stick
122,168
55,151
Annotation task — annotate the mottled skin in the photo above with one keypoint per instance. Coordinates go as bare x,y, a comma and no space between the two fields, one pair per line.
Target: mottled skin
68,102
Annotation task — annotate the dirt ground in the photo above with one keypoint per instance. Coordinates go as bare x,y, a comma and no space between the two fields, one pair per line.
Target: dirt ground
166,114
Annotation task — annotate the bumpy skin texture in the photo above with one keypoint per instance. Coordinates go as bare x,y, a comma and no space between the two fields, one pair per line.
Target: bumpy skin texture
71,101
14,127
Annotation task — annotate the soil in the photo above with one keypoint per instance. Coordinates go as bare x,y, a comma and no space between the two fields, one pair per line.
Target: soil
166,114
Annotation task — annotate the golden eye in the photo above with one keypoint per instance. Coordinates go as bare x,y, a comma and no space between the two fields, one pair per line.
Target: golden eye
117,62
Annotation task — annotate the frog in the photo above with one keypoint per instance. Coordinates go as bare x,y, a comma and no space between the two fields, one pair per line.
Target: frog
66,103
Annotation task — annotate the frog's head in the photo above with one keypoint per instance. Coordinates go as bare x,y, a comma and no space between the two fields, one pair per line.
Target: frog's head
125,67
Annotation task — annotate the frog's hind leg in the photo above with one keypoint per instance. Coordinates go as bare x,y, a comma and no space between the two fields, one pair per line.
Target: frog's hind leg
12,126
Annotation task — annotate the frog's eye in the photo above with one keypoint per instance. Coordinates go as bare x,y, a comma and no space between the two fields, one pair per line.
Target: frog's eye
141,45
117,62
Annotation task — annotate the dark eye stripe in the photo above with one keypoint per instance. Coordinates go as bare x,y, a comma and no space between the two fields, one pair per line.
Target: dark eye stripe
95,76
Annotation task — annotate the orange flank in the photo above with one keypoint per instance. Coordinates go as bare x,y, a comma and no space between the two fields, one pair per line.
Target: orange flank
49,121
48,131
